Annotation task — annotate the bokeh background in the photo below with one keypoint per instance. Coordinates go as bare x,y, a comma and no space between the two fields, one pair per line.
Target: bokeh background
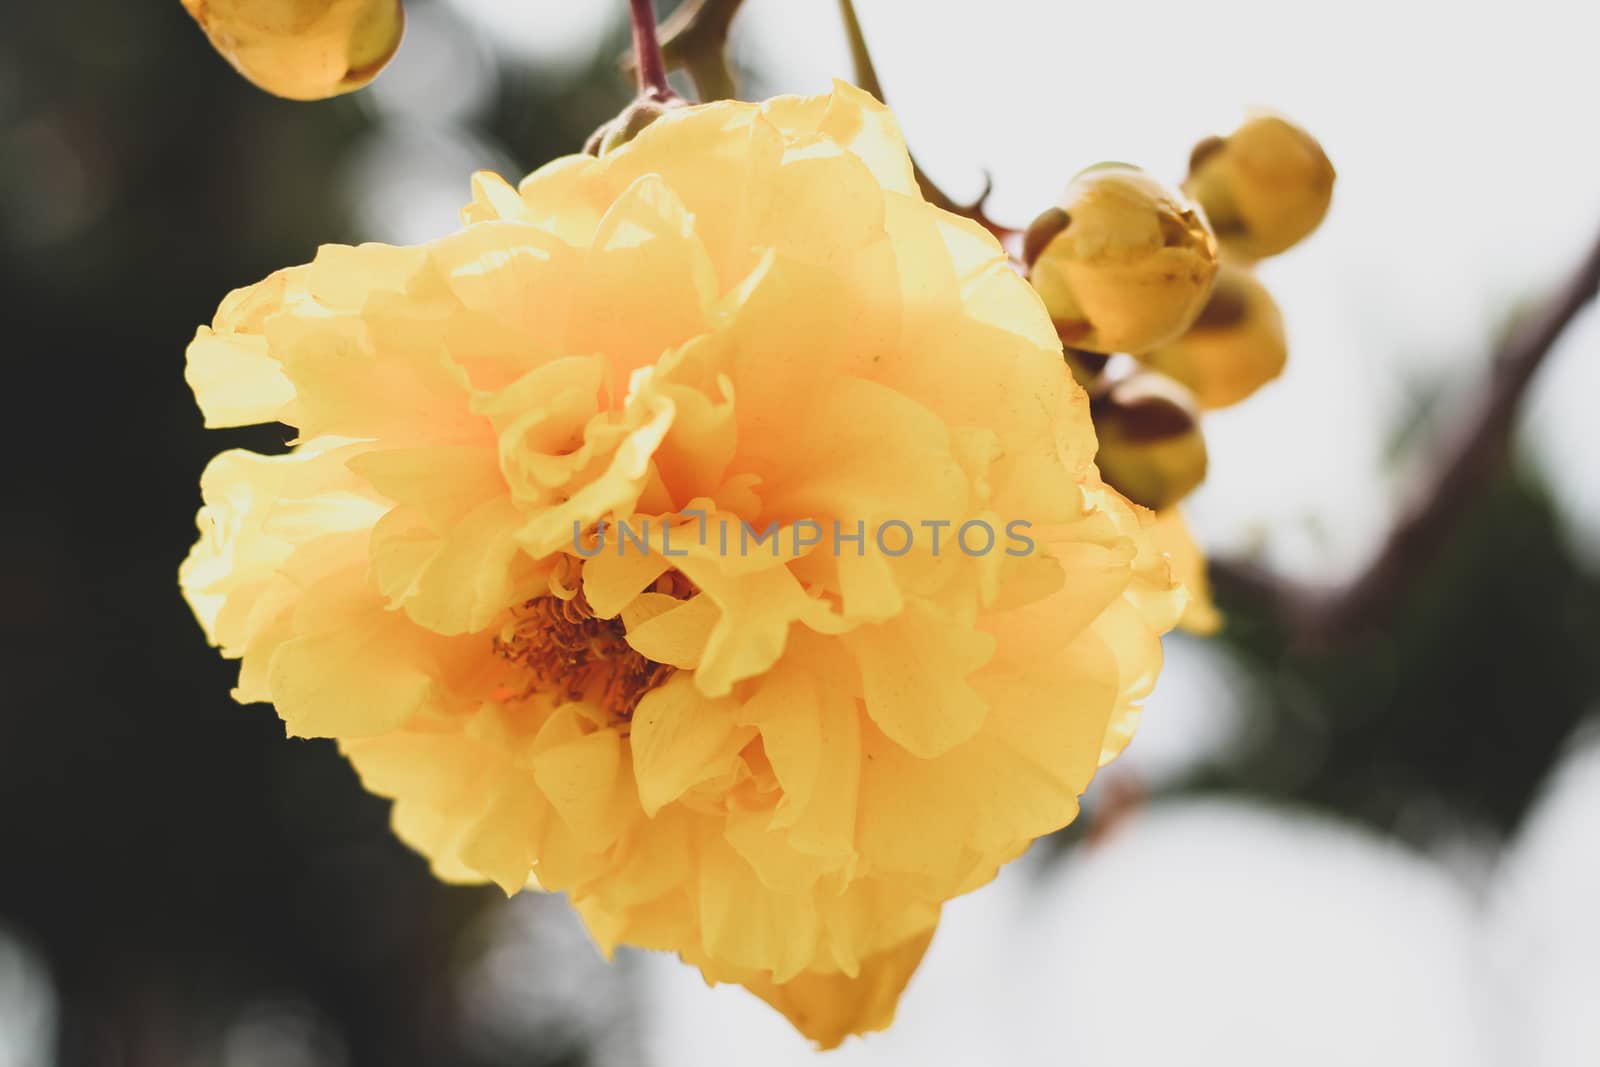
1386,855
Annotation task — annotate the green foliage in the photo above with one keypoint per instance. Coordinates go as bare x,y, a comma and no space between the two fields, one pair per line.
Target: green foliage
1452,711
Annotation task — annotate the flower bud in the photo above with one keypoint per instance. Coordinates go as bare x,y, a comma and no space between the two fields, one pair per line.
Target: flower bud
1234,348
1264,188
1151,449
1123,264
628,124
303,49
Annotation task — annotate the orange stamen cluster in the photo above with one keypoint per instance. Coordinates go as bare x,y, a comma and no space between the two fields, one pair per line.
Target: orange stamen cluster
568,651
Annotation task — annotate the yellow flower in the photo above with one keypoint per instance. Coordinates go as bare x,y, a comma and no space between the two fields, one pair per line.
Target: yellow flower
303,49
778,761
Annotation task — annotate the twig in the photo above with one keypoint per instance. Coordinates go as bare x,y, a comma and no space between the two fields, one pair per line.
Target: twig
694,38
647,52
1463,468
866,73
866,77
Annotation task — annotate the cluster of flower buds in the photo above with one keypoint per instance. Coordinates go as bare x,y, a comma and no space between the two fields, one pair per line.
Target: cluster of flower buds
1126,265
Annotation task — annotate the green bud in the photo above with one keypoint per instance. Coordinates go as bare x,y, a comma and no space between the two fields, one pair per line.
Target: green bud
1151,448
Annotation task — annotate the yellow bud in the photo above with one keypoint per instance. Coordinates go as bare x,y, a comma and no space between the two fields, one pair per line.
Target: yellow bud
1123,264
1264,188
303,49
1151,449
1234,348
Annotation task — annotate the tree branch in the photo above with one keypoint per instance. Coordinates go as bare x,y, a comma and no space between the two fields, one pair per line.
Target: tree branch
866,77
1463,468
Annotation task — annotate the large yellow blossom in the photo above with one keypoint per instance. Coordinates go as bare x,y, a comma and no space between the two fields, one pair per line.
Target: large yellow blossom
779,764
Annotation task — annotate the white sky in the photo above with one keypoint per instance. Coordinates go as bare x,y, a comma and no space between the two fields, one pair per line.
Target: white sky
1223,934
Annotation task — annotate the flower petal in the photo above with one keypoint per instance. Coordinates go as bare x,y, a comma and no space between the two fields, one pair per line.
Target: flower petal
915,671
828,1007
680,739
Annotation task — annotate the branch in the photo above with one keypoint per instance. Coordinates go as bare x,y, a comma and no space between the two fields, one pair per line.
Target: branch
694,38
866,77
1463,468
647,52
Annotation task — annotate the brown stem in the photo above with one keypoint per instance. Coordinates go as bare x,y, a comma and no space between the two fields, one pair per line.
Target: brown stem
647,51
694,39
860,55
1461,471
866,76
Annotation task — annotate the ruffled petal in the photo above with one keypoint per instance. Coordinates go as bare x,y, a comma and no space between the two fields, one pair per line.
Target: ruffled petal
914,673
235,381
681,738
828,1007
1200,614
365,674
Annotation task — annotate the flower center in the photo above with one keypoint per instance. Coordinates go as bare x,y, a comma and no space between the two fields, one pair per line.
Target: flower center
569,652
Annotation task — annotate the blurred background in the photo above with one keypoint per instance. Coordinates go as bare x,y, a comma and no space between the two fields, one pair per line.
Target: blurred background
1388,854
